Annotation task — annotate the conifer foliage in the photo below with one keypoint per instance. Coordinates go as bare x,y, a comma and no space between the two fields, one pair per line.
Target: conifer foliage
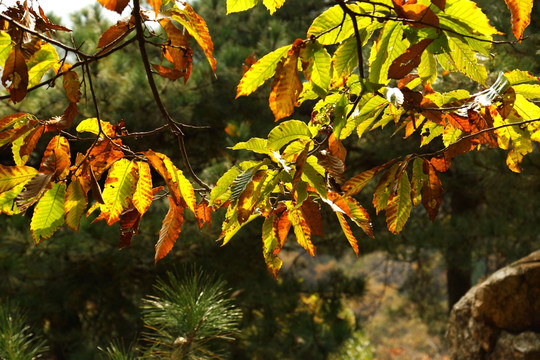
301,164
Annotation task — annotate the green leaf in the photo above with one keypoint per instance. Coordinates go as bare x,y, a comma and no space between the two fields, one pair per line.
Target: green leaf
319,69
261,71
75,204
529,91
390,44
331,27
241,182
314,175
460,57
240,5
256,145
384,188
368,109
41,62
399,205
286,132
231,225
430,131
49,213
344,60
450,135
219,193
427,70
467,14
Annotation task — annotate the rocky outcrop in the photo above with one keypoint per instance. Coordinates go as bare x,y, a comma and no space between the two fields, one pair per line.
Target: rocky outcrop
499,319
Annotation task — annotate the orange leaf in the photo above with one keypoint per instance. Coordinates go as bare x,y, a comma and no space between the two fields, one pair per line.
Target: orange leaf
58,142
300,164
57,158
248,62
283,226
170,229
271,245
302,231
58,123
168,73
442,162
15,75
156,4
196,26
143,195
116,32
407,61
336,147
313,217
348,232
355,184
114,5
30,142
431,191
521,15
178,53
421,14
286,86
248,199
203,213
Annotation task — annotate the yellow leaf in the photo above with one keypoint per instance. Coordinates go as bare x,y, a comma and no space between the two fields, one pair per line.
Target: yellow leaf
301,230
75,203
348,232
142,197
273,5
11,176
118,190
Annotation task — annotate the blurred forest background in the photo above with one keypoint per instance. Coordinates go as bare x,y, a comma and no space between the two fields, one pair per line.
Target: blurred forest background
80,292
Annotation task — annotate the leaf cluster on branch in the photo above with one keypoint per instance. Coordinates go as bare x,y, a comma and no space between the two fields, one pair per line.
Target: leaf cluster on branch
363,64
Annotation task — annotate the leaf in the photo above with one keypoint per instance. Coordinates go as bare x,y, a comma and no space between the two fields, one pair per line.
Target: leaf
12,176
273,5
240,5
56,158
72,86
178,52
333,165
249,196
301,230
431,191
388,47
261,71
319,66
223,185
241,182
529,91
203,213
129,226
168,73
331,27
348,232
466,13
256,145
156,5
197,28
118,190
91,125
166,169
460,57
271,246
42,61
5,48
516,77
419,178
286,86
314,175
417,12
427,69
118,31
286,132
384,188
114,5
7,200
399,204
299,169
49,213
344,61
231,225
410,59
33,190
24,145
355,184
170,230
143,195
15,75
75,203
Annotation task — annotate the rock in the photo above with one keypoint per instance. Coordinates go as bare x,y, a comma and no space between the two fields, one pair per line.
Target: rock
500,317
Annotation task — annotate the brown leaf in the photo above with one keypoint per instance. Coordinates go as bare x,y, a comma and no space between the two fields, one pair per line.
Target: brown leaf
282,228
94,185
248,62
58,123
442,162
72,86
15,75
348,232
336,147
248,199
170,230
129,226
407,61
300,163
168,73
56,158
441,4
178,51
302,231
333,165
30,142
313,217
33,190
114,5
431,191
286,86
116,32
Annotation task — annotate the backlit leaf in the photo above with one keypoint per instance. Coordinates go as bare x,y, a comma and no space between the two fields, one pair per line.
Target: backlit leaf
418,180
118,190
203,213
129,226
33,190
257,145
74,204
273,5
117,32
166,169
529,91
331,27
223,185
344,61
49,213
384,188
521,15
261,71
15,75
249,196
390,44
114,5
24,145
72,86
41,62
11,176
177,51
197,28
319,66
5,47
156,5
91,125
399,205
355,184
56,157
431,191
231,225
286,132
240,5
142,197
313,217
170,230
7,200
314,175
348,232
286,86
460,57
301,230
407,61
271,246
466,13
